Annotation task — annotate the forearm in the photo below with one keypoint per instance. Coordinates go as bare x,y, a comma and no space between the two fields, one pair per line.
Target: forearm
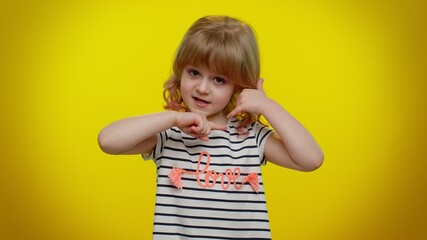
301,146
124,134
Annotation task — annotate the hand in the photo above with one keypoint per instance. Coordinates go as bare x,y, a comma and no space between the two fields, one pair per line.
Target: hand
251,101
196,125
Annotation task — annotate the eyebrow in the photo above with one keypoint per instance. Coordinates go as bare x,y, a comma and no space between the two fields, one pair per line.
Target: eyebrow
191,67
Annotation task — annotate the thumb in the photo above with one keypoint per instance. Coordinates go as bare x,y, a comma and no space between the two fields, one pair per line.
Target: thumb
259,84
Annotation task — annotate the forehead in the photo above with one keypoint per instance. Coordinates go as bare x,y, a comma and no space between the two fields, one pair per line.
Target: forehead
220,62
223,57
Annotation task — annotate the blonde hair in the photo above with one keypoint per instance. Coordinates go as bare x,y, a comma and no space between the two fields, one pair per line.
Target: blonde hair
224,45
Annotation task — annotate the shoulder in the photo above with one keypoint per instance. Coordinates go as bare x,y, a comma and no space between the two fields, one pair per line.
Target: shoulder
166,134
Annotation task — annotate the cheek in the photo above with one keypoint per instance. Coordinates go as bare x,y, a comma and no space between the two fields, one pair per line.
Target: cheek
183,86
227,96
185,89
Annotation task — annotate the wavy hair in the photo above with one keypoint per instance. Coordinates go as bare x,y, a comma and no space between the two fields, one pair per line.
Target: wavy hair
223,44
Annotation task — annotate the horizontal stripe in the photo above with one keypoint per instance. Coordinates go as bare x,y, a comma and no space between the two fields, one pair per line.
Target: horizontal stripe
210,199
212,155
192,189
213,146
211,218
176,130
207,236
211,209
249,129
214,228
211,163
213,190
225,135
229,140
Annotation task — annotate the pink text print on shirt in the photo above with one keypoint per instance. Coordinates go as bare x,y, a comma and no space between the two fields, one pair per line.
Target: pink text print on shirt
231,175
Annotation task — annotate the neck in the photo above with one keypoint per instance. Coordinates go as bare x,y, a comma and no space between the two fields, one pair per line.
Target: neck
219,119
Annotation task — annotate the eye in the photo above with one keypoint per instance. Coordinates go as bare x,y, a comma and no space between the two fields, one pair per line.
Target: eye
193,73
219,80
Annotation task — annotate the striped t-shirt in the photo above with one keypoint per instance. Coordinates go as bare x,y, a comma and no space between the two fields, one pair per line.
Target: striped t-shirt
216,200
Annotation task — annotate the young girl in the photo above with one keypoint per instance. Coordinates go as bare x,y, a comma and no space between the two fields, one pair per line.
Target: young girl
208,145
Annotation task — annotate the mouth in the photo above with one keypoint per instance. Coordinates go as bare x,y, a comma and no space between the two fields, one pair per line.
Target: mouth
200,102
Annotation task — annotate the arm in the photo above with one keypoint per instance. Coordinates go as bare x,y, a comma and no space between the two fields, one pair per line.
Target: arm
134,135
137,135
291,145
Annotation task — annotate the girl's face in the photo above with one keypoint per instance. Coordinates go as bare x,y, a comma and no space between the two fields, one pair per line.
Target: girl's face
206,92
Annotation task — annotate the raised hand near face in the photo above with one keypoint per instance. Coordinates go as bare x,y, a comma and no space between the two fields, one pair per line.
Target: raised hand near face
251,101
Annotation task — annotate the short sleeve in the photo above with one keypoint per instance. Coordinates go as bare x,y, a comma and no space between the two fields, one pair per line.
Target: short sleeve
262,132
158,148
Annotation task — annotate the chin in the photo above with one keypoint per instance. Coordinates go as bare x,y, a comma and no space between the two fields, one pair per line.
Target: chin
199,112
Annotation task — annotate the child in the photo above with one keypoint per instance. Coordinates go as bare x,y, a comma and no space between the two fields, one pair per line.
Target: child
208,146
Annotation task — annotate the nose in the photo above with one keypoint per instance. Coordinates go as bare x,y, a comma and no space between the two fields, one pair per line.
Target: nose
203,86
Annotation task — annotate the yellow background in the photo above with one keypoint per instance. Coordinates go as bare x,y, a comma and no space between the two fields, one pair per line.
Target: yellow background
353,72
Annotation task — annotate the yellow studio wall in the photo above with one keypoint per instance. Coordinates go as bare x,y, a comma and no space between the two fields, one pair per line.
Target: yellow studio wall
353,72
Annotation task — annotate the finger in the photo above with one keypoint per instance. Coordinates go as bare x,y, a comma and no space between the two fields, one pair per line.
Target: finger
194,134
239,98
234,112
198,125
259,84
207,127
201,137
204,138
203,129
196,129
